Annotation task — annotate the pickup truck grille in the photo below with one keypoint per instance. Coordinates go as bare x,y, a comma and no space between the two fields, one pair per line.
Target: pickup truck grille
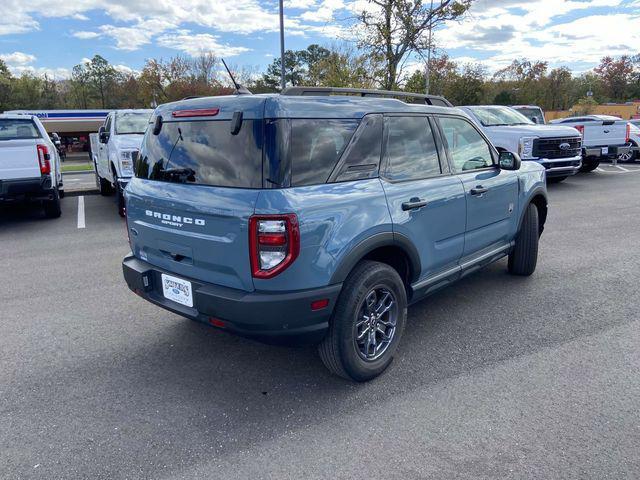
550,147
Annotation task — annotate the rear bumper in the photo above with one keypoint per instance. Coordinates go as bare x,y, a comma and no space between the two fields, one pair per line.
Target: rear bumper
37,188
561,167
280,317
614,151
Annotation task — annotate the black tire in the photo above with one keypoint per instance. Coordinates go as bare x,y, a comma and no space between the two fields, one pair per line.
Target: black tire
524,257
339,350
556,179
121,205
119,195
52,207
103,185
589,165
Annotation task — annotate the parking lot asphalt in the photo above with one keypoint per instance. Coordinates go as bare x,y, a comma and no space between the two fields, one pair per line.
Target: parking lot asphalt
496,377
75,183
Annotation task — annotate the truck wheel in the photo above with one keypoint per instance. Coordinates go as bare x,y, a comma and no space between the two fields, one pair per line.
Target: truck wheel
630,156
103,185
556,179
367,323
524,257
52,207
589,166
121,205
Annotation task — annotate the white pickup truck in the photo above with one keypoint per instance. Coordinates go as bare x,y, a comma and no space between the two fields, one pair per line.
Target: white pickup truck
119,141
556,148
29,164
603,137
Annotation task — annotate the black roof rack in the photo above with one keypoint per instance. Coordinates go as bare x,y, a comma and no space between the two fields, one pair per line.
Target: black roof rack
364,92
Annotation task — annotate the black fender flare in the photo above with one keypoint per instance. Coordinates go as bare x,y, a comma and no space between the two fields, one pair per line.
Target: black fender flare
535,192
384,239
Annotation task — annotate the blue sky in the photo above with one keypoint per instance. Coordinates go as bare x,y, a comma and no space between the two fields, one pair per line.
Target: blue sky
51,36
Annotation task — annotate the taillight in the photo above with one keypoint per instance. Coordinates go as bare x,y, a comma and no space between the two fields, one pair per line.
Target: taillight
580,128
43,159
274,243
628,133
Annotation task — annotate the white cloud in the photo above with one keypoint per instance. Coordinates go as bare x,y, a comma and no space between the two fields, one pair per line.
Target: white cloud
50,73
544,32
127,38
195,44
17,58
85,35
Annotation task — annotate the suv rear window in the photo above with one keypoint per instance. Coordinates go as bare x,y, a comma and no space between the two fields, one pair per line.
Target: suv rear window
16,129
204,153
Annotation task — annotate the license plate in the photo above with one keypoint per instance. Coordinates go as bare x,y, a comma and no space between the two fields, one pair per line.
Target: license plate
177,290
605,150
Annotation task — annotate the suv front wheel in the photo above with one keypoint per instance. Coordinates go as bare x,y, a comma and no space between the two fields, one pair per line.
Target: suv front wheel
524,257
367,323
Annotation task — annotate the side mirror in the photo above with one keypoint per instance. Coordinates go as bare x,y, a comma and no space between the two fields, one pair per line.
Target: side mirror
103,135
509,161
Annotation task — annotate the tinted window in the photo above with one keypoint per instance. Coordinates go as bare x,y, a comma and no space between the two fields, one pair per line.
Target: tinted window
204,152
316,146
411,151
439,102
362,157
467,148
11,129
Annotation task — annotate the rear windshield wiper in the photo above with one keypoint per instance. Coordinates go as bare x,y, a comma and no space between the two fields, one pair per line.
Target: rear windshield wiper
179,175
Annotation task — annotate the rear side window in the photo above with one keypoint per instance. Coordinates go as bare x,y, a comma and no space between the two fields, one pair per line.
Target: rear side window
411,151
316,146
362,157
204,153
16,129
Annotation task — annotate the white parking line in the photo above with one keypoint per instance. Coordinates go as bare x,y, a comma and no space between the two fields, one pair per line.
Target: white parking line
599,169
621,168
80,212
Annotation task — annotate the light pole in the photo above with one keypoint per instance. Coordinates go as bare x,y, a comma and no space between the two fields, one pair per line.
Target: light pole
427,74
282,81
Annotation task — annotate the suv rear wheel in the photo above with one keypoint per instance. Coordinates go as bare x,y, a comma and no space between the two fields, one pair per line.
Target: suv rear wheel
367,323
524,257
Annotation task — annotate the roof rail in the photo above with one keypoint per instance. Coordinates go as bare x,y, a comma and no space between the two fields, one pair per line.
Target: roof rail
364,92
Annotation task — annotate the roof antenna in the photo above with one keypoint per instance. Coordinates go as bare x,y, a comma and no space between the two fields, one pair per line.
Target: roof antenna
240,89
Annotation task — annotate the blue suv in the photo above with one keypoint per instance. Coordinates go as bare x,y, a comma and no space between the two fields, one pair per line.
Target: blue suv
319,215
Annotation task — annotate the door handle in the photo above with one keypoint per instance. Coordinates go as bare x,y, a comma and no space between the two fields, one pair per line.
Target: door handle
479,190
414,203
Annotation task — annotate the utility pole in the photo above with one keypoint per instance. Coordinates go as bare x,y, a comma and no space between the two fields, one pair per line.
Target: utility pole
282,80
427,74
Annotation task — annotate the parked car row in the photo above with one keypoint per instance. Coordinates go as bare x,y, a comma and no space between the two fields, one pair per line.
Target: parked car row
557,148
320,214
604,137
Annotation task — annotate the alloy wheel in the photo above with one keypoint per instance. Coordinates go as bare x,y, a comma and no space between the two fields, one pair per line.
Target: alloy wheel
375,324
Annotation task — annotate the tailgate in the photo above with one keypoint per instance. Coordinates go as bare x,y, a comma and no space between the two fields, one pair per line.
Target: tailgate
195,231
18,159
602,134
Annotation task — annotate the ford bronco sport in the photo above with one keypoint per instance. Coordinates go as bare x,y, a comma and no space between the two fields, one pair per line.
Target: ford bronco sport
321,217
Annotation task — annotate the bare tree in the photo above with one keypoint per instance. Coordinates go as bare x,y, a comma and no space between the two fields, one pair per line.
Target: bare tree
394,29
